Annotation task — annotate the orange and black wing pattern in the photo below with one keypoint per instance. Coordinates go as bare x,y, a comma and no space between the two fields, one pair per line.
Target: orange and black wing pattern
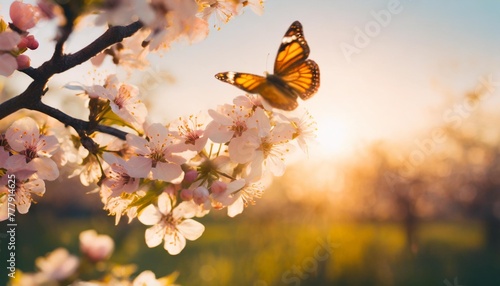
248,82
294,75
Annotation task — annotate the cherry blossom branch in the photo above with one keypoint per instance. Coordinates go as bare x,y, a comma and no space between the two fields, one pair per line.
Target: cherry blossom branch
60,64
82,127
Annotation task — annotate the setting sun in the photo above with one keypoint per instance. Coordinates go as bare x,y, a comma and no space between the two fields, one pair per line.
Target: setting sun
334,137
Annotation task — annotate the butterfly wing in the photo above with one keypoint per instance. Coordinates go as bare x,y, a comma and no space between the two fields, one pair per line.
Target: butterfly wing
303,79
292,66
275,94
294,75
248,82
292,51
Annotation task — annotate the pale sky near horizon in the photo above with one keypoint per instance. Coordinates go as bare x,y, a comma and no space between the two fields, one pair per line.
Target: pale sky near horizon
426,53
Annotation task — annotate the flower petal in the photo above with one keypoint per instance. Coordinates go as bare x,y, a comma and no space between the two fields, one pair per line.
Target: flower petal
168,172
150,215
8,64
9,40
36,186
174,243
22,133
45,167
158,134
47,145
154,235
191,229
164,203
138,144
236,208
138,167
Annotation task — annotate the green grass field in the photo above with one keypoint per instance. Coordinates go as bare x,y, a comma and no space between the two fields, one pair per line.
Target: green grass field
246,251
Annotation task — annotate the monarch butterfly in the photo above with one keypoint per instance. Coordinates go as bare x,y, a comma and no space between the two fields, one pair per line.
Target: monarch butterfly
294,75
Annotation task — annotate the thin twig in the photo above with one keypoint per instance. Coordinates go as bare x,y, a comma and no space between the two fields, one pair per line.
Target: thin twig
31,98
81,126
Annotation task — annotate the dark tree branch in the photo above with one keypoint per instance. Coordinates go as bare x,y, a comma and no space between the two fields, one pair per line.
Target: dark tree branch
31,98
112,36
27,99
81,126
31,72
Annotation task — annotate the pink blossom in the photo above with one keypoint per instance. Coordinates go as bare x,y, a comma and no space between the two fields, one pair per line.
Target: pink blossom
245,196
33,149
263,145
224,195
8,64
305,130
173,226
48,9
23,16
124,12
117,178
186,194
119,206
175,19
228,121
25,189
8,41
97,247
190,176
28,42
123,98
190,131
200,195
58,265
155,157
125,102
147,277
223,10
23,62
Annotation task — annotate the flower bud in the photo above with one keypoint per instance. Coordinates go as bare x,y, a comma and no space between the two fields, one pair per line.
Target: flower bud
32,43
190,176
218,187
186,194
23,16
200,195
170,190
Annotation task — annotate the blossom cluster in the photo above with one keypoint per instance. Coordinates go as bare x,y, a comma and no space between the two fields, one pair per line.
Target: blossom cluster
15,38
166,21
60,267
163,174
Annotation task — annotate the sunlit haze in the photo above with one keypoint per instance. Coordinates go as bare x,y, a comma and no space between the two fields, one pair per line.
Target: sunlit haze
400,187
382,84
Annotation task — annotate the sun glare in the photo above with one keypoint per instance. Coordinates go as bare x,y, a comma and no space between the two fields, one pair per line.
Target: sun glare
333,138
